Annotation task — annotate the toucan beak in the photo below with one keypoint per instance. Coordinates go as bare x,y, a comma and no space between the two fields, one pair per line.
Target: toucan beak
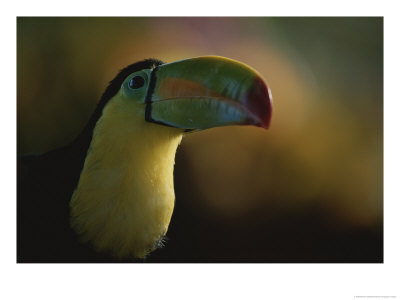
206,92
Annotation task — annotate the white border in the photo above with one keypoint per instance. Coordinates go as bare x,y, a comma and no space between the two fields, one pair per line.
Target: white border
260,281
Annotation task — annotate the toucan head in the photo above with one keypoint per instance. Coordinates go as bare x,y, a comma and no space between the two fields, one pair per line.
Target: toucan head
138,126
195,93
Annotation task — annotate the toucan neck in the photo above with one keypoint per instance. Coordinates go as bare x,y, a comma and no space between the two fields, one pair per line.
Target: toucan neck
125,195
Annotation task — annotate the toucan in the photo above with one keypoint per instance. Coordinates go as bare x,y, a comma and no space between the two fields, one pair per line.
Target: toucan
110,192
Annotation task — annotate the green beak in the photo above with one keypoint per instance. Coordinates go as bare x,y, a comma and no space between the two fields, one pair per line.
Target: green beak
206,92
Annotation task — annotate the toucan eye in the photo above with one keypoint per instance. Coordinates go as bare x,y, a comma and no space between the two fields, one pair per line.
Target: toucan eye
136,82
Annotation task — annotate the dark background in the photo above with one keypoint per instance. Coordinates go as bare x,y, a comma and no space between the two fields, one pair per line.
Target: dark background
310,189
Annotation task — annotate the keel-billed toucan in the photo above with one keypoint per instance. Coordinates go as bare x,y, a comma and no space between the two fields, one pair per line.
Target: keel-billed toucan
112,187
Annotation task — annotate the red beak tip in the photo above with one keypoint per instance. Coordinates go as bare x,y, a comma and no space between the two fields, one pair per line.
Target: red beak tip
260,103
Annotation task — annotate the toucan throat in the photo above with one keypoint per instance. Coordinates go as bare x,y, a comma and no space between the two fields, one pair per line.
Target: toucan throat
125,196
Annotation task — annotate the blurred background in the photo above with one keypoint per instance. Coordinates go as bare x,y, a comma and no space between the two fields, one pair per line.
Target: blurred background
310,189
